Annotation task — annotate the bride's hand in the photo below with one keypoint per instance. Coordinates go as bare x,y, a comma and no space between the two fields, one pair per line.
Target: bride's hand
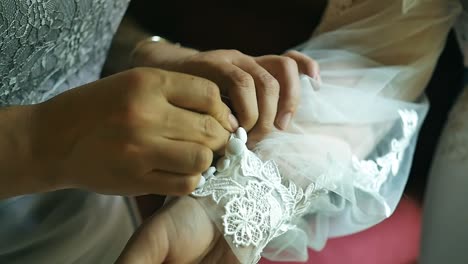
264,91
180,233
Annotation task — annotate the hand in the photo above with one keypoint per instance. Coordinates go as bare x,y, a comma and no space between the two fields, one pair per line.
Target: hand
264,91
180,233
138,132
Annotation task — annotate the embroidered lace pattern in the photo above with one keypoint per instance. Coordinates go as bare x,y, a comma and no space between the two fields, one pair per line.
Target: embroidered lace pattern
372,174
48,46
259,205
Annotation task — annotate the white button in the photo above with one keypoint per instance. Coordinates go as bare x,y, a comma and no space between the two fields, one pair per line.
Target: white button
235,147
201,182
223,164
241,134
209,172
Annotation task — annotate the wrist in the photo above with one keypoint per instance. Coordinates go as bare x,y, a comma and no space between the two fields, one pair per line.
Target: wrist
20,166
160,53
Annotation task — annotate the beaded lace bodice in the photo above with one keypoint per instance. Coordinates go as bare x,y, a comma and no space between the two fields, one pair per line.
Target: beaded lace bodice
49,46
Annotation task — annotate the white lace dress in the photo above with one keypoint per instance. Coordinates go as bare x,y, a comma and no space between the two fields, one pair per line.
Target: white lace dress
47,47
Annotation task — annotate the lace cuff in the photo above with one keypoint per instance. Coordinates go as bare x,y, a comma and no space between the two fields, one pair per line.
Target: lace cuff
258,204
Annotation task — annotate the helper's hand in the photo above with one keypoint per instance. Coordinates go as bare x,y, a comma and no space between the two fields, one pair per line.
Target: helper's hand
180,233
264,92
137,132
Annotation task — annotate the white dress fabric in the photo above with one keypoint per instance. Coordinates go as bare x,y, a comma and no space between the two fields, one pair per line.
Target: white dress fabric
47,47
350,146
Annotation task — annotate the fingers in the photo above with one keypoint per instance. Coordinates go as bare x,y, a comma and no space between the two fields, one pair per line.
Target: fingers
179,157
306,64
286,72
200,95
189,220
184,125
241,90
267,93
174,184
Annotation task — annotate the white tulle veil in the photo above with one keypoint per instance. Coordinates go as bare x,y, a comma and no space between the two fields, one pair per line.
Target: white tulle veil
355,136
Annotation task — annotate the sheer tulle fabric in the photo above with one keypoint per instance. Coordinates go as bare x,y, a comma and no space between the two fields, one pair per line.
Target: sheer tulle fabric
355,136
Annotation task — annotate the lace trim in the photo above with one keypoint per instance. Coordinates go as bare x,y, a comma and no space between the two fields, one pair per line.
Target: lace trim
259,205
370,174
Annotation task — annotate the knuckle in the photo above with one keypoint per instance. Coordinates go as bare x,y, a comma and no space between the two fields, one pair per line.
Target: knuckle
287,62
249,119
242,80
270,84
135,115
137,77
131,116
201,158
212,93
260,131
292,53
265,128
268,80
234,52
208,126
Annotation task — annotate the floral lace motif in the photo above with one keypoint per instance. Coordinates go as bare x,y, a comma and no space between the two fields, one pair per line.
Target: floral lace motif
259,205
370,174
49,46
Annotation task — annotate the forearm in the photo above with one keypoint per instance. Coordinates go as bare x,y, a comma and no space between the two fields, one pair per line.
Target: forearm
161,54
20,172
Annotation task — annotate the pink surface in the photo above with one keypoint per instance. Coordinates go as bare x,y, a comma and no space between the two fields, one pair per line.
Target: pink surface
394,241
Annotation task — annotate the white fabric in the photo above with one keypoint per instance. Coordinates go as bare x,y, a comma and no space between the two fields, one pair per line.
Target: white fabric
258,204
354,137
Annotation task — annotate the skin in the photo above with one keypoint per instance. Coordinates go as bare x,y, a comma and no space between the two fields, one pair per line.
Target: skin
127,134
263,92
118,135
168,237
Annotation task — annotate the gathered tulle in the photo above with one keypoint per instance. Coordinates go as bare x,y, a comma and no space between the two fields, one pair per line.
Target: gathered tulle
359,148
355,136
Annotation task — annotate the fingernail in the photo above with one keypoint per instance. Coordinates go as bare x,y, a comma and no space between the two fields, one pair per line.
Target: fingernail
284,121
233,122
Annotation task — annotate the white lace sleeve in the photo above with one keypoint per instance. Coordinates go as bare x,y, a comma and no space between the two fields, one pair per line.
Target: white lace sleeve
342,165
258,205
